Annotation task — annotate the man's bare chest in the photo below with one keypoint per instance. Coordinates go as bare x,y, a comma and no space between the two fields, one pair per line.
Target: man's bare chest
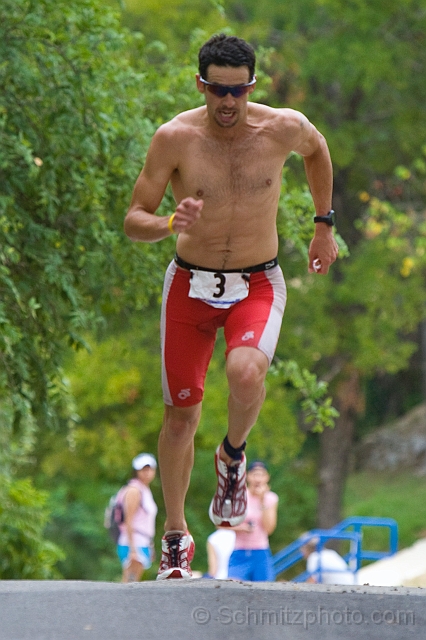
230,169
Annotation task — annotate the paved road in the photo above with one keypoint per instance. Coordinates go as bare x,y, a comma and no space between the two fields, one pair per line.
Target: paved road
208,610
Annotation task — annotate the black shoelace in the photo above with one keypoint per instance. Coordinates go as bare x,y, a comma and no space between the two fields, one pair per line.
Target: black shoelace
232,479
174,550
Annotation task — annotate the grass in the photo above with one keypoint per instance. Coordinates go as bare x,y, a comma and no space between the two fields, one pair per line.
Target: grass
401,496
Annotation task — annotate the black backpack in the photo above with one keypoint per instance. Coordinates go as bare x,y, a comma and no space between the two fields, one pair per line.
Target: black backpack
114,515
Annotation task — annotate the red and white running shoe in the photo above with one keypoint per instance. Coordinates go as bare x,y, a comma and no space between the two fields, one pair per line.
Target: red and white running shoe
229,505
177,552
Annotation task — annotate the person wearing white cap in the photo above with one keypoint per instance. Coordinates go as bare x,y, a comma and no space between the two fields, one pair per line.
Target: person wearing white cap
135,544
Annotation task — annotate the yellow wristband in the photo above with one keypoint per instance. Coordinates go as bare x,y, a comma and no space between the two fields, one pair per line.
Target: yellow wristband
170,223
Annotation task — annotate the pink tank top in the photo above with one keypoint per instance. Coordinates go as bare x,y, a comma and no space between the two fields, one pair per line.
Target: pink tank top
257,538
144,521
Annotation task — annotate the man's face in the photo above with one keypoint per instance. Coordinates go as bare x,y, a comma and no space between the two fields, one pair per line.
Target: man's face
226,111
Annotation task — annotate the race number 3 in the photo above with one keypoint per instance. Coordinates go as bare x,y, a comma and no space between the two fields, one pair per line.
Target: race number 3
218,289
220,286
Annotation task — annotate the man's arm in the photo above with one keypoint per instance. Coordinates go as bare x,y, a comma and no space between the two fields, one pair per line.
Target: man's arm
319,172
141,223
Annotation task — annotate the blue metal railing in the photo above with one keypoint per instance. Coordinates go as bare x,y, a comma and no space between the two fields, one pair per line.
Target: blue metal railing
349,529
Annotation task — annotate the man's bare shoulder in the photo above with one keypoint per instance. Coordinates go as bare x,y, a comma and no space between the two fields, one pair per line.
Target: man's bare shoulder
285,126
280,118
183,123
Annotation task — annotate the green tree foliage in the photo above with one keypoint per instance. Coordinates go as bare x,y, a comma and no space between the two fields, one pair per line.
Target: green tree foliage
83,99
359,325
25,554
175,21
354,69
368,318
57,126
75,123
65,159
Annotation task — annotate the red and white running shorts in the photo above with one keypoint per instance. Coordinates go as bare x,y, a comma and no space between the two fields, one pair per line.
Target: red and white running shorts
189,326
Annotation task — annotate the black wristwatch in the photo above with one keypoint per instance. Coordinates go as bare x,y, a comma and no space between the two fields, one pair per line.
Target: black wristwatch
328,219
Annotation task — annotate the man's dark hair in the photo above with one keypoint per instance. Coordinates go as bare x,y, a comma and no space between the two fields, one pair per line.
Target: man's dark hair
226,51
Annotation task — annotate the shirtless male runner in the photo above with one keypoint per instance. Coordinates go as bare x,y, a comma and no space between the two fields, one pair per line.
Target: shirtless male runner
224,162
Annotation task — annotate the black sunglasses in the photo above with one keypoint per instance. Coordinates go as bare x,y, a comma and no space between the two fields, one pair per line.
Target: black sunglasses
222,90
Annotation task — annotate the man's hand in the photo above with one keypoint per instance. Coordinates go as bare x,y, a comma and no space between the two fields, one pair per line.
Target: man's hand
323,249
186,215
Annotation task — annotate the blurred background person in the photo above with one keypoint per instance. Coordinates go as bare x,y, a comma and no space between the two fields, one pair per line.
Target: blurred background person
251,558
326,565
135,544
220,545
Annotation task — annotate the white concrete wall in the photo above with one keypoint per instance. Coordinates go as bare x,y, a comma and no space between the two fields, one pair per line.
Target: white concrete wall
407,568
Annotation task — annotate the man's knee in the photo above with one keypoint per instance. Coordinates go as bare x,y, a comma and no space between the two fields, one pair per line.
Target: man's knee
180,423
246,370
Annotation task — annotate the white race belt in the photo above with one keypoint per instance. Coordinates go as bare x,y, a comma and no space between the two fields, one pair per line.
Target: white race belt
218,289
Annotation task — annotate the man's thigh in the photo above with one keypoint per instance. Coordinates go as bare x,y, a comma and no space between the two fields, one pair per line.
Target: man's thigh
188,334
256,320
